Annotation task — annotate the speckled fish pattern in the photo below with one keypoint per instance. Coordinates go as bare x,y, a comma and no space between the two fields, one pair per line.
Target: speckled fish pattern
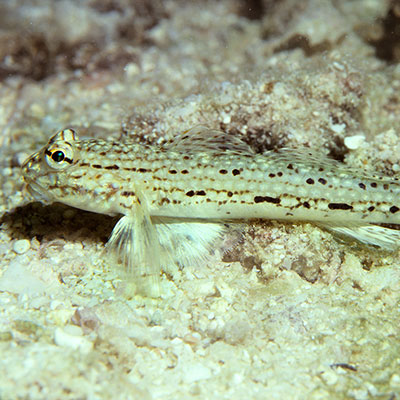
208,175
188,180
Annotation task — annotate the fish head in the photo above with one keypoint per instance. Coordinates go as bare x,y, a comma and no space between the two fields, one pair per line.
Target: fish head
46,172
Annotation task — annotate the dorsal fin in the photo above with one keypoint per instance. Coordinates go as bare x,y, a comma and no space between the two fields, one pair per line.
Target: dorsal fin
201,138
308,156
311,157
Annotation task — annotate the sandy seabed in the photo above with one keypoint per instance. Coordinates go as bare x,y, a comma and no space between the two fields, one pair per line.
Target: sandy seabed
291,313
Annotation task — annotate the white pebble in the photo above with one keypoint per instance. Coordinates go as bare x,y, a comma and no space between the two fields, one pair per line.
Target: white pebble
64,338
226,119
196,372
339,67
6,171
131,69
329,377
21,246
354,142
20,157
338,128
18,279
395,381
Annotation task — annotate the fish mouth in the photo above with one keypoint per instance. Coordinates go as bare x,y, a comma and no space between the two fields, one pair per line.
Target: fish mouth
38,192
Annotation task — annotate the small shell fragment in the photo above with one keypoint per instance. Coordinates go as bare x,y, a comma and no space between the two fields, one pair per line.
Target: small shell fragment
21,246
354,142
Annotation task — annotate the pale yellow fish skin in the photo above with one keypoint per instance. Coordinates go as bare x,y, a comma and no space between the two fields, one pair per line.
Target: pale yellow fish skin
189,180
173,198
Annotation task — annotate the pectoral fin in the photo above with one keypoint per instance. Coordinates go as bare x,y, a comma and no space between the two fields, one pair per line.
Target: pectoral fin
188,242
134,242
146,246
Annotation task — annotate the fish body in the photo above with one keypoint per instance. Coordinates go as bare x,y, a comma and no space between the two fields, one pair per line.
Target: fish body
107,176
206,176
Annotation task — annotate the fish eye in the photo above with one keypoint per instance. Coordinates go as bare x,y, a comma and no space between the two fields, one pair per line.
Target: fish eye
59,155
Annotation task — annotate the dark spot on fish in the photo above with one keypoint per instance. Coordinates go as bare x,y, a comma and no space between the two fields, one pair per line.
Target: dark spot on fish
267,199
322,181
235,172
394,209
362,186
127,194
340,206
223,171
112,167
310,181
